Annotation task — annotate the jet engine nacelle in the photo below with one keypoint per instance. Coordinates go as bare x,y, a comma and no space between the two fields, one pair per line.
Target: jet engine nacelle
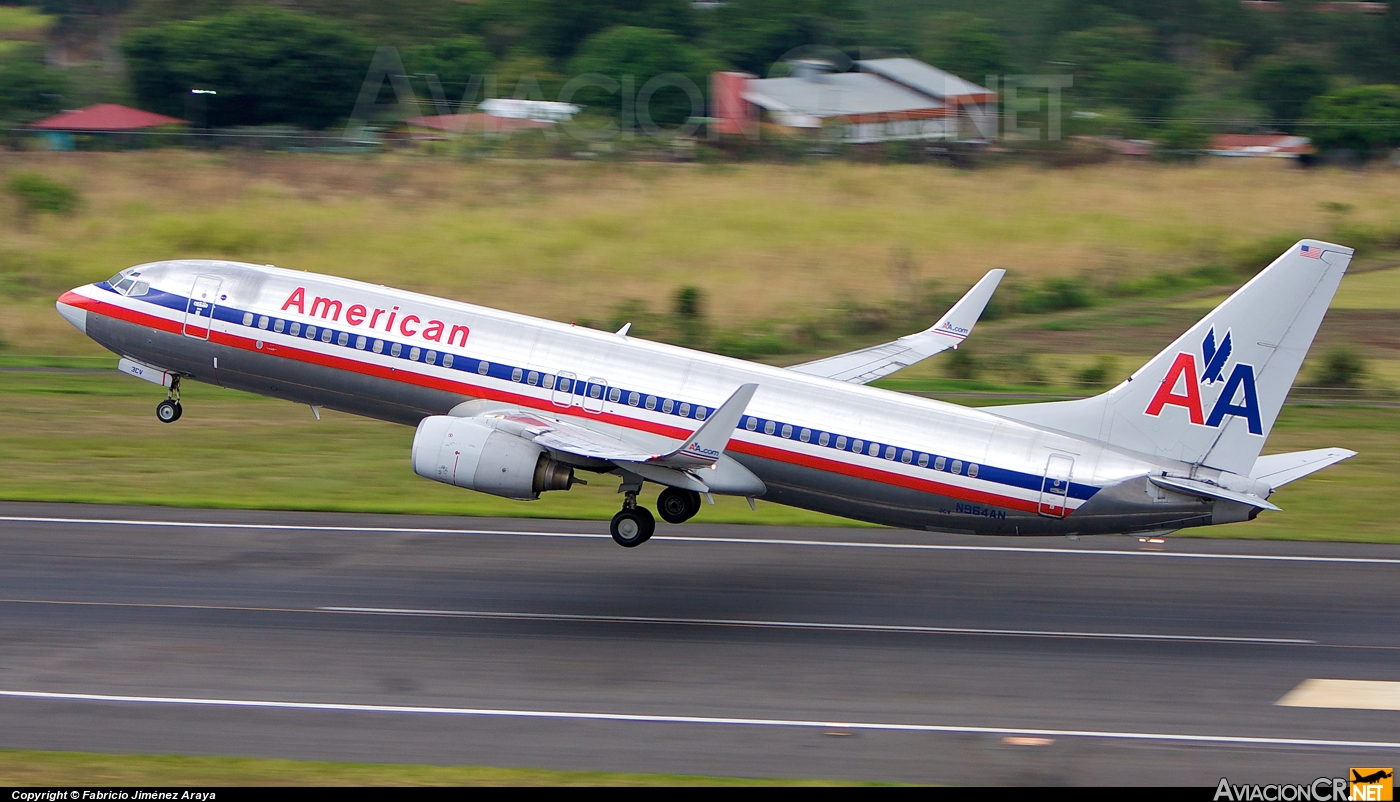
471,454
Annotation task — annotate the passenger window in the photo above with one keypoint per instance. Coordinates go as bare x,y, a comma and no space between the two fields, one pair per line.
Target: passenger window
595,391
841,442
447,360
413,353
564,384
295,329
874,449
343,338
667,406
633,399
614,395
533,378
247,318
262,322
548,382
278,325
939,463
751,423
395,349
787,431
685,410
805,436
378,347
972,469
823,439
651,402
906,457
889,452
923,460
700,413
516,374
483,368
858,446
326,335
768,427
360,342
430,357
956,467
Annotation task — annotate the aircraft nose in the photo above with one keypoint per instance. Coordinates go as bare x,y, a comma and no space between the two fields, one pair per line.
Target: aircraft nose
71,306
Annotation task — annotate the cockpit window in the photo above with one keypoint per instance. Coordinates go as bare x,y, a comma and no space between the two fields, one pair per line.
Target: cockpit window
118,277
123,285
139,288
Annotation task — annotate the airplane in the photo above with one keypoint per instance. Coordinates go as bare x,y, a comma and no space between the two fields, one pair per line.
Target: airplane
517,406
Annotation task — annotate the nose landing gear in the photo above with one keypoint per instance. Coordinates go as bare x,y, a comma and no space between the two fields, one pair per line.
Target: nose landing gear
633,525
169,410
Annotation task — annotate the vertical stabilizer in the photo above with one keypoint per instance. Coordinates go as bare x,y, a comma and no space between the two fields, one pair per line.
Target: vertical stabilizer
1213,395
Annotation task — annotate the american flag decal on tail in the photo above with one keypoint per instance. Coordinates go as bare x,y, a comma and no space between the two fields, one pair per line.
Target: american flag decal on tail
1312,251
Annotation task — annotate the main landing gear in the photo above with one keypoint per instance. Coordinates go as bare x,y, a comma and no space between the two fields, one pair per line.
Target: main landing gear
677,506
169,410
633,525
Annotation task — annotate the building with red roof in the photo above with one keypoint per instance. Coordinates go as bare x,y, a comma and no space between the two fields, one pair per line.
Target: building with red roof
104,118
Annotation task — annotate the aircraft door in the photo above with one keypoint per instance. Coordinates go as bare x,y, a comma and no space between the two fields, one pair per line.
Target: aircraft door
593,394
199,312
564,385
1054,487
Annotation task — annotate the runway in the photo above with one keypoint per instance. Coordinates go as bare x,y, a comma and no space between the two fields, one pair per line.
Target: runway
868,654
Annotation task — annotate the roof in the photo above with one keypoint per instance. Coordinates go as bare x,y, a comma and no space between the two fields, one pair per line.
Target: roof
927,79
475,122
837,95
1260,145
105,117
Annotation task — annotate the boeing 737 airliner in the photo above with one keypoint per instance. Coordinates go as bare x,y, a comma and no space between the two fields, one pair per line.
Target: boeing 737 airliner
516,406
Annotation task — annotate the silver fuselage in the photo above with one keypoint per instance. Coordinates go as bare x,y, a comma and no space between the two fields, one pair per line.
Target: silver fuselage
849,450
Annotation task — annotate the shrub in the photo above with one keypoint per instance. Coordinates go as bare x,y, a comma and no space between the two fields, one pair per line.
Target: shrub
39,194
1099,373
1340,368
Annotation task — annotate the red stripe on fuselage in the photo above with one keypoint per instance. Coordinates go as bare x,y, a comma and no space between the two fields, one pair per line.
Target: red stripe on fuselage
476,391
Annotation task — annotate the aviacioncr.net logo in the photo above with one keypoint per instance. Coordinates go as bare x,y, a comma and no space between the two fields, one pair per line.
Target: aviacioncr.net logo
1214,358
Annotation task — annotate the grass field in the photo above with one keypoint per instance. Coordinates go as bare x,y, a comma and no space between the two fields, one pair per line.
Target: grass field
574,240
35,769
93,438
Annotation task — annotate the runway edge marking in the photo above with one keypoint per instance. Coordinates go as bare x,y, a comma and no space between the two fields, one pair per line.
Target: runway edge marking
556,715
702,539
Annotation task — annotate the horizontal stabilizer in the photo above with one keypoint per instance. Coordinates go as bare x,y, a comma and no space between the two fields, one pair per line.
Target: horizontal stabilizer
877,361
1280,469
1198,488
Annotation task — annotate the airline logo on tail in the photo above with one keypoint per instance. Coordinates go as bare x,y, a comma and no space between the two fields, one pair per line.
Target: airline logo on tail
1237,395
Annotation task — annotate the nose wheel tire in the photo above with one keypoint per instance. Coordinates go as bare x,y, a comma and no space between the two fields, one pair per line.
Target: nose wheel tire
631,528
677,506
168,411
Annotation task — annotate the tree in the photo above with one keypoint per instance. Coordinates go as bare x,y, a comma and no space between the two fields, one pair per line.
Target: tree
1360,118
644,54
1146,88
267,65
1286,86
454,61
1088,53
754,34
28,89
967,46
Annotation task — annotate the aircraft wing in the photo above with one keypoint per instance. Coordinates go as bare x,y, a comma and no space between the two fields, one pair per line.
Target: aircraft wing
868,364
676,467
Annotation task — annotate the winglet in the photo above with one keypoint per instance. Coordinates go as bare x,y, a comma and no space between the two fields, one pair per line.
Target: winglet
959,320
868,364
707,444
